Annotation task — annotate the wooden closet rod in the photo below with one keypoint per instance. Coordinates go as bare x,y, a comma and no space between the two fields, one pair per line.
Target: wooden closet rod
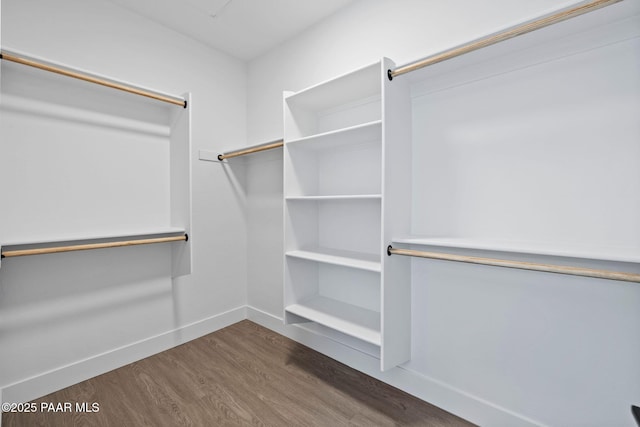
52,250
254,149
501,36
92,79
549,268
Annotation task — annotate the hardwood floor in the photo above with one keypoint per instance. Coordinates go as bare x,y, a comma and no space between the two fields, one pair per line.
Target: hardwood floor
241,375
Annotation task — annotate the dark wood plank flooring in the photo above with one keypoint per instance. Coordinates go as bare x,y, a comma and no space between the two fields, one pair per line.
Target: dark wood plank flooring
240,375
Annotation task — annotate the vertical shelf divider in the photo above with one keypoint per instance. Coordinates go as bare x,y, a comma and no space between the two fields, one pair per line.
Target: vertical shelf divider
396,218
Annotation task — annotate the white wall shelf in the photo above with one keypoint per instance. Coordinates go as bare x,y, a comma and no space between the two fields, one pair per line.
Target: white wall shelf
323,164
351,100
356,85
86,242
340,197
359,260
345,224
346,189
351,135
601,253
351,320
88,238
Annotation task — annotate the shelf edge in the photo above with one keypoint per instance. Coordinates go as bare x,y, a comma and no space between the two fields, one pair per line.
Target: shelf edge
355,263
105,236
306,312
337,132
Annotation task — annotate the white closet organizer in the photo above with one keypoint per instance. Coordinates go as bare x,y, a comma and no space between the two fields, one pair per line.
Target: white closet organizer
117,164
532,146
346,151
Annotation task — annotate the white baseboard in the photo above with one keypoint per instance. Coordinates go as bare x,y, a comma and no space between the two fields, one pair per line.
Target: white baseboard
458,402
48,382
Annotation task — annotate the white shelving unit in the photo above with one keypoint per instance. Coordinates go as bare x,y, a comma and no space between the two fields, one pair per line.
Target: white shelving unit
343,317
363,261
347,147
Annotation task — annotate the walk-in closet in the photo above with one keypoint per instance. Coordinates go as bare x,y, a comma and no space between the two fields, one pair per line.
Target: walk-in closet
348,212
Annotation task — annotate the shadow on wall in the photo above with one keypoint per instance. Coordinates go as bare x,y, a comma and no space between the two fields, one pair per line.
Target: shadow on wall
57,288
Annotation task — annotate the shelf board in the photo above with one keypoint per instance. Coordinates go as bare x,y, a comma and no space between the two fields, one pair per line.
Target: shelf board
337,197
602,253
352,135
359,260
358,84
346,318
88,238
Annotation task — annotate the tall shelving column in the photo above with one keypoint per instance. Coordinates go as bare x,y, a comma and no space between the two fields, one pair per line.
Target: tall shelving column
335,181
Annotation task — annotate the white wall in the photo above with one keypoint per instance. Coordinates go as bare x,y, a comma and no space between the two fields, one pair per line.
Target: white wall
497,347
67,317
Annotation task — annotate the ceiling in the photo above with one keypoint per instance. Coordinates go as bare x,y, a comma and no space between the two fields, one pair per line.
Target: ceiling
242,28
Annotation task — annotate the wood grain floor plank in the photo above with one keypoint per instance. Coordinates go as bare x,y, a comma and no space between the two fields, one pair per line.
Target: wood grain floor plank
289,384
242,375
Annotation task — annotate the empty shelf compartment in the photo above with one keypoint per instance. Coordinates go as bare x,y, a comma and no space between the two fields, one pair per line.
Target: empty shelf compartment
346,318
